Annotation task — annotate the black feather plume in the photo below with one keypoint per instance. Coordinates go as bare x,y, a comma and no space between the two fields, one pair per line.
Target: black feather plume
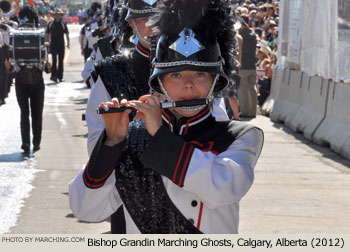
125,31
212,19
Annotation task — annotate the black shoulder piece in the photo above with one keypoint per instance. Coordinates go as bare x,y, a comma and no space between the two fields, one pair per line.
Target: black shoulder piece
105,46
118,76
143,192
225,134
238,129
94,75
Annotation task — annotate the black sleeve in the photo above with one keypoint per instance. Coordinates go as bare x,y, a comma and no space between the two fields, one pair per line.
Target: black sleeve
169,155
102,162
82,30
66,28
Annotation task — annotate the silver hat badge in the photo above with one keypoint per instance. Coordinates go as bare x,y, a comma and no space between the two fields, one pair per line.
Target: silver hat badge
150,2
187,44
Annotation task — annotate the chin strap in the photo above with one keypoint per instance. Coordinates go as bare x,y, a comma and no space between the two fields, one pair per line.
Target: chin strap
138,34
210,95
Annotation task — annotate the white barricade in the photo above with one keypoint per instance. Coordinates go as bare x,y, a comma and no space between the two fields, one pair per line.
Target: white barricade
289,97
335,128
277,78
312,108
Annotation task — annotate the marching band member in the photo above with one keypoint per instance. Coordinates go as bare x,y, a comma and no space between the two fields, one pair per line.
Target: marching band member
3,74
122,75
30,90
137,65
177,170
95,22
105,46
5,77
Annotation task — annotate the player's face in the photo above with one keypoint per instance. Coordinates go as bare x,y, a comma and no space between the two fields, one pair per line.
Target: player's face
144,29
187,85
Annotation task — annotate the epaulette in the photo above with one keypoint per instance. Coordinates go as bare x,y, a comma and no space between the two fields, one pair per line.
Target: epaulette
118,76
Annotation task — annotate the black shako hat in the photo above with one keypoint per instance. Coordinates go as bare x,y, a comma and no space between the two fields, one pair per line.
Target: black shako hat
195,35
141,8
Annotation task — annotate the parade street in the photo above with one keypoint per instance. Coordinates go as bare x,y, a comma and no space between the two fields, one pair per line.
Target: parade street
299,187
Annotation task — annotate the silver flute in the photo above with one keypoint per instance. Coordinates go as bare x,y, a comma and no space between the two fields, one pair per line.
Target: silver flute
163,105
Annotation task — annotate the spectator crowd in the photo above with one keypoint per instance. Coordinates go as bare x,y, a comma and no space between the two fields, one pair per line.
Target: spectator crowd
258,27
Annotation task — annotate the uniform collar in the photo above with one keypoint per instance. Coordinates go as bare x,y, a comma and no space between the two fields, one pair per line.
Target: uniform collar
188,125
143,51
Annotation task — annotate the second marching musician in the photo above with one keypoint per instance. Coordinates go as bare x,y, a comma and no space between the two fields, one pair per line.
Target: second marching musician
30,88
175,170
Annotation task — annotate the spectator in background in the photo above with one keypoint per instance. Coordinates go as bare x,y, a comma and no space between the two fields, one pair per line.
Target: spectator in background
263,53
264,83
264,19
230,93
42,20
246,92
55,32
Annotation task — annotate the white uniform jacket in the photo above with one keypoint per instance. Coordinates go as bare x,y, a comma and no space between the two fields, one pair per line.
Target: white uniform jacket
205,180
5,30
89,67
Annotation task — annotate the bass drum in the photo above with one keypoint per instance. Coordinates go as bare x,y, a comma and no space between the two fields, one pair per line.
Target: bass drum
27,46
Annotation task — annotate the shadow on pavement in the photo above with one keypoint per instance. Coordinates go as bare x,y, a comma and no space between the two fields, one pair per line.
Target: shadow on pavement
51,83
324,150
81,101
79,81
81,88
15,157
82,135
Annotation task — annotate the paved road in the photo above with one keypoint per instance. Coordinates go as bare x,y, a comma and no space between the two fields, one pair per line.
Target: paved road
299,187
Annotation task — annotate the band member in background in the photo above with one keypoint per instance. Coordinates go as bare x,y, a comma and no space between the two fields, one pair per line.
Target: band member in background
3,74
5,77
129,73
94,24
106,46
177,170
30,90
55,32
82,38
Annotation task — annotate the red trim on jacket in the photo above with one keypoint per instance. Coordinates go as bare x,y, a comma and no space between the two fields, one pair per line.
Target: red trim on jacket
184,168
167,116
200,216
97,180
144,50
179,161
91,185
210,147
195,118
